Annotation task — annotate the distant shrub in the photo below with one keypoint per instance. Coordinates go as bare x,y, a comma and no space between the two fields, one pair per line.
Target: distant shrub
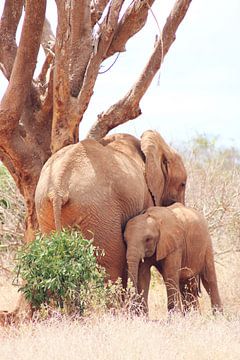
61,270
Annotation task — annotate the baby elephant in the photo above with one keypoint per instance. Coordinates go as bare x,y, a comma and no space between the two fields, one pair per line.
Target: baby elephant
176,241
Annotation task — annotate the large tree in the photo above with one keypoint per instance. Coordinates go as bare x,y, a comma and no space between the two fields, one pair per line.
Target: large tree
38,116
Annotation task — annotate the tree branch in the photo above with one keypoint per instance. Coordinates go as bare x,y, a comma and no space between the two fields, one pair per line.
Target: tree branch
48,38
128,107
48,43
24,66
97,8
44,74
107,31
8,27
81,43
68,111
132,22
47,101
61,131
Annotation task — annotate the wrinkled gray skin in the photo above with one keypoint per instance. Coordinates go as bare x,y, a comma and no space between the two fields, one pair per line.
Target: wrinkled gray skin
176,241
100,186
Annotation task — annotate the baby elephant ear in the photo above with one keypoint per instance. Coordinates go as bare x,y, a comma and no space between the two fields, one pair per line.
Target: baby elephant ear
171,237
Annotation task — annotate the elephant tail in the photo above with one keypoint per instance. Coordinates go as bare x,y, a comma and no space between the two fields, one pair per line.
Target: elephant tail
57,211
57,203
199,290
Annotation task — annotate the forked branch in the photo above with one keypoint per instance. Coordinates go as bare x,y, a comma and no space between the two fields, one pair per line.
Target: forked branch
68,110
107,31
128,107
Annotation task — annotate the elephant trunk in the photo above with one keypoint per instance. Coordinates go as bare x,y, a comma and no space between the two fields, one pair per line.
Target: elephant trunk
133,265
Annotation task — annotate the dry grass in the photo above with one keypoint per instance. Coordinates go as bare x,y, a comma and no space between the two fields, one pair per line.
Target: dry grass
109,337
12,214
214,189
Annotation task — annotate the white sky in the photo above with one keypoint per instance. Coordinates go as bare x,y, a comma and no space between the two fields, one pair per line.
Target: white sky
199,82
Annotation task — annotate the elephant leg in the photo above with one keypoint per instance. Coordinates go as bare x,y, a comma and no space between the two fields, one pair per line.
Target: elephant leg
144,278
106,230
189,293
171,267
209,280
115,261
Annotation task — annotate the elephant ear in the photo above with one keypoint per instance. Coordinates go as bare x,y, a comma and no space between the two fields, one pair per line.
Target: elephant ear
171,235
158,157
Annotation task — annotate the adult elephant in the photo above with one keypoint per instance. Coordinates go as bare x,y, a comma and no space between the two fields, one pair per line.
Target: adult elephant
99,186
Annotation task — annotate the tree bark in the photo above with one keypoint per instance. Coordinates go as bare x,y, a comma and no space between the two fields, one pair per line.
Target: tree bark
22,148
9,23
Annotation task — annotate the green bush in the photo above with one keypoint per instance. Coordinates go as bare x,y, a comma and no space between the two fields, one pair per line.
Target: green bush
61,270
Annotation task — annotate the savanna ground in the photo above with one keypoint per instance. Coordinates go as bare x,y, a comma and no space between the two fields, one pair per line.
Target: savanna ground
214,189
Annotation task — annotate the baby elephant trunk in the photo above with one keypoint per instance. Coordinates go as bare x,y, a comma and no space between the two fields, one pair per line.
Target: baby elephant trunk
133,265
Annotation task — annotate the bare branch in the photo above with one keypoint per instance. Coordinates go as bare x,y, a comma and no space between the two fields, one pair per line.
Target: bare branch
81,43
43,82
68,111
132,22
24,66
8,27
61,87
97,8
48,38
107,31
128,107
49,60
47,102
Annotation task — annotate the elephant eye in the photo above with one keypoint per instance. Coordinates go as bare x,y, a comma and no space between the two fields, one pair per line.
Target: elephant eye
183,184
148,240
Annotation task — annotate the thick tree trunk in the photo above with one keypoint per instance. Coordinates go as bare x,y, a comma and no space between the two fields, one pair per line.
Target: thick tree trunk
24,154
26,182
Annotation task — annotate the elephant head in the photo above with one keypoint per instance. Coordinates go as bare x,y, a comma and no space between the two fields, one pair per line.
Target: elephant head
147,235
164,170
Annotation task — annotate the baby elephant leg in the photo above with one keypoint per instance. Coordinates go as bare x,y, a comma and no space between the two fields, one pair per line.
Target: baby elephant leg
209,280
189,289
171,269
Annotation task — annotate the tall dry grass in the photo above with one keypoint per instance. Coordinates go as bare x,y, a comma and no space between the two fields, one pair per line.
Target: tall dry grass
214,189
12,214
118,338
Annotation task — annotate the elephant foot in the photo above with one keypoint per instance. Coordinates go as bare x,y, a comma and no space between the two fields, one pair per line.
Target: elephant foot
217,309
